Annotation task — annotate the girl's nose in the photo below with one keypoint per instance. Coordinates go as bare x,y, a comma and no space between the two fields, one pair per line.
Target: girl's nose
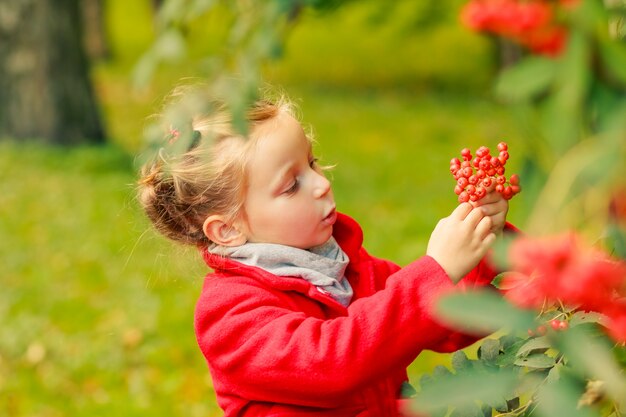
322,186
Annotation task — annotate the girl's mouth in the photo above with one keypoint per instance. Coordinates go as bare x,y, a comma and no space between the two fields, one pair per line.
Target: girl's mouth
331,218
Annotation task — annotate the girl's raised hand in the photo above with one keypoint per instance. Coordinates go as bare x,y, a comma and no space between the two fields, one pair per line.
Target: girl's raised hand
461,240
496,207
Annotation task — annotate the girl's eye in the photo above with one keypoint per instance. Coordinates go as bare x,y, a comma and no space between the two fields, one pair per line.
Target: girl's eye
313,162
293,188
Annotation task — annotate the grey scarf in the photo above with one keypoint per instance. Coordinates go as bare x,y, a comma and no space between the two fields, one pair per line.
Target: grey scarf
323,266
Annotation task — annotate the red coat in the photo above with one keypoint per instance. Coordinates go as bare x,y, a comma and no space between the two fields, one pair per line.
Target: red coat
279,346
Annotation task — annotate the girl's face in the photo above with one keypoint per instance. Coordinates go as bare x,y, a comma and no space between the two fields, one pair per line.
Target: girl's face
288,200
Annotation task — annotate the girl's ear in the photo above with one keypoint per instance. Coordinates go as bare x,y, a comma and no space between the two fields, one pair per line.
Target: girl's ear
219,231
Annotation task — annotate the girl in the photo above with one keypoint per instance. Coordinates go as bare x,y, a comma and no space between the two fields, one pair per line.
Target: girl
297,318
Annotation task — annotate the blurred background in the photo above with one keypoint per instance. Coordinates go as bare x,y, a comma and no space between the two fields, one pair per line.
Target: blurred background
96,309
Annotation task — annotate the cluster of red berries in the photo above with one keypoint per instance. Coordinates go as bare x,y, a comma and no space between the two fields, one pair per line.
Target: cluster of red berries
556,324
475,178
530,23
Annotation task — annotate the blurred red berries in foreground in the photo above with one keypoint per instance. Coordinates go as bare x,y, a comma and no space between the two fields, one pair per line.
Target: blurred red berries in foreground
562,269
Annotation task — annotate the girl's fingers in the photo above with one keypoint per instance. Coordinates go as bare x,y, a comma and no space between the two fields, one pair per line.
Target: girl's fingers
489,240
489,198
484,227
462,210
474,217
490,209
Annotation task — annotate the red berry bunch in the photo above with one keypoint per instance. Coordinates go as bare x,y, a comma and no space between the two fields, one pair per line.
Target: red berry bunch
530,23
556,324
476,177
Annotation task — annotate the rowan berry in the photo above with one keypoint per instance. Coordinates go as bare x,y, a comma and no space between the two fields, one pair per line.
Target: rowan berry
502,146
563,325
462,182
455,161
473,179
555,324
458,189
464,197
500,180
467,171
482,151
541,329
514,179
487,181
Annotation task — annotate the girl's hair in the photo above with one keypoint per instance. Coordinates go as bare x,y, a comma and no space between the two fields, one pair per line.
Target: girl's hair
178,192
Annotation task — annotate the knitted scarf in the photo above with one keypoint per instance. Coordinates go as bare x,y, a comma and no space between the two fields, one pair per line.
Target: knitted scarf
323,266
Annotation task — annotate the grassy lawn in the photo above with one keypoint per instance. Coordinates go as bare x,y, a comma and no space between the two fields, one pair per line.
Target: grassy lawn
96,309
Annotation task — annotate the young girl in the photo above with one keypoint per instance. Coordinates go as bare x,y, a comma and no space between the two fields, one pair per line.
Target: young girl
297,318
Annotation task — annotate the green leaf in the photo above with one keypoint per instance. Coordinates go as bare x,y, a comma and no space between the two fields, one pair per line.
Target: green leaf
554,374
562,114
464,389
460,362
536,343
482,311
583,317
469,410
440,371
407,390
508,340
513,403
613,55
499,405
489,350
500,255
536,361
510,353
616,240
561,399
593,356
525,80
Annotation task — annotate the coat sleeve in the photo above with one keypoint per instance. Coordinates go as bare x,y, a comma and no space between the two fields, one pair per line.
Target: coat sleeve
444,339
270,351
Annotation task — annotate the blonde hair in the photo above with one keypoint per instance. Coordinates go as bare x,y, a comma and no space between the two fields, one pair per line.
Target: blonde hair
178,192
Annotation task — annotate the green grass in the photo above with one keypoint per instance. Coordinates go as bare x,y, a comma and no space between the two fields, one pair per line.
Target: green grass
96,309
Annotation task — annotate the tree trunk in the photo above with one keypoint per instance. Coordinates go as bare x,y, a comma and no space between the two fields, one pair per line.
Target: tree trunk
45,89
96,40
